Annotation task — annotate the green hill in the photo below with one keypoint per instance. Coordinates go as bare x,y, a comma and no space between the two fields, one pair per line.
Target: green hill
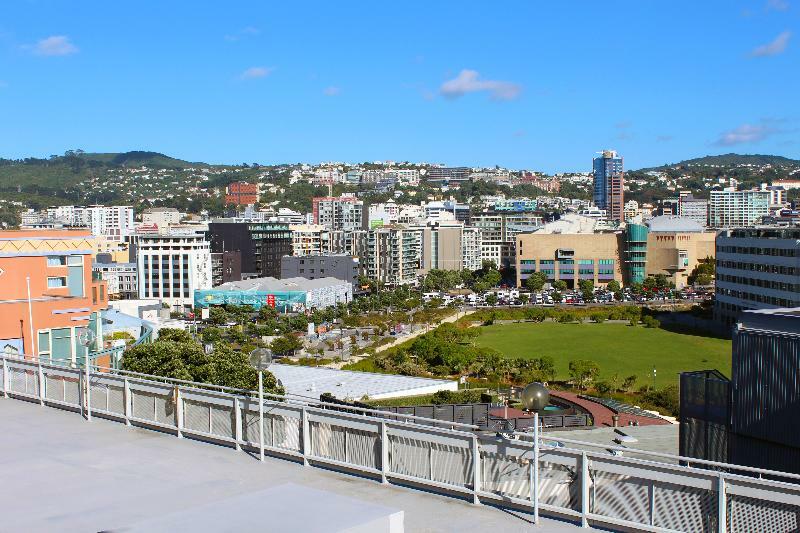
733,160
139,158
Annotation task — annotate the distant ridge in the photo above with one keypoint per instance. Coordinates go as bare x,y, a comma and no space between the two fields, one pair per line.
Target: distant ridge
730,160
138,158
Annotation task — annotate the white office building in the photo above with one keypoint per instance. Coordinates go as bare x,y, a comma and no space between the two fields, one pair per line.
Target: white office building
732,209
172,266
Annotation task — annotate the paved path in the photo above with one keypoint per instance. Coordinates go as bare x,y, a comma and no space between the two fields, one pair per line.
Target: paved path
61,473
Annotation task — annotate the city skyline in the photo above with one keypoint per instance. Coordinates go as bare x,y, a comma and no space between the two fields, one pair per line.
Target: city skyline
541,88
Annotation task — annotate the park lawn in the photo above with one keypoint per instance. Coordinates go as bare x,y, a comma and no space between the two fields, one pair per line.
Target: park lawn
616,348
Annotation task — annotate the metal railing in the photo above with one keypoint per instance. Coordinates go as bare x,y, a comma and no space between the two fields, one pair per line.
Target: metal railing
592,483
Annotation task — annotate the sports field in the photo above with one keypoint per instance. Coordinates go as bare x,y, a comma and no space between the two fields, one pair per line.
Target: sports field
616,348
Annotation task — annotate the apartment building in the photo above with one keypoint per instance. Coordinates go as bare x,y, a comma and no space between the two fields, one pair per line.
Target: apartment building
734,209
499,230
757,268
115,221
173,266
338,213
448,174
394,255
695,209
450,246
48,293
309,239
241,193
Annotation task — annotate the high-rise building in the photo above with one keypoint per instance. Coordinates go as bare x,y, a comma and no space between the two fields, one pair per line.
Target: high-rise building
499,230
694,208
261,244
448,245
448,174
338,213
394,255
172,266
309,239
609,185
757,268
735,209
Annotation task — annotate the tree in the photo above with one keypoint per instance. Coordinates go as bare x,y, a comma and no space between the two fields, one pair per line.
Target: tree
560,285
629,382
218,315
557,296
491,299
175,356
535,282
583,372
524,298
587,289
613,286
212,334
285,345
703,273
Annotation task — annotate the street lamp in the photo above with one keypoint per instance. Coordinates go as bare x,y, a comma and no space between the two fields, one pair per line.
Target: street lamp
654,377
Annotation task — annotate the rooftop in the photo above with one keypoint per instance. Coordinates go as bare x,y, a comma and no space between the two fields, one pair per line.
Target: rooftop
311,381
269,284
104,476
671,223
570,223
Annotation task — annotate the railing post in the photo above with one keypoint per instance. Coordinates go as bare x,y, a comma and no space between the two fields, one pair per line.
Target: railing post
652,497
305,440
584,490
88,397
535,470
126,401
237,419
384,452
178,398
261,416
476,470
722,505
5,378
42,391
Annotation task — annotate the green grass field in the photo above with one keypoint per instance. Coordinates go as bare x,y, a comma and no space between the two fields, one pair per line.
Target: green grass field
616,348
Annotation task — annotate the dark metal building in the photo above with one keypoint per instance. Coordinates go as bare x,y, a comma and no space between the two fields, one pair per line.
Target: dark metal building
343,267
262,245
753,418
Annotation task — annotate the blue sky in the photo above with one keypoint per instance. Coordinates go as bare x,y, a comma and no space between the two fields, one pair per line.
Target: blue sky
538,85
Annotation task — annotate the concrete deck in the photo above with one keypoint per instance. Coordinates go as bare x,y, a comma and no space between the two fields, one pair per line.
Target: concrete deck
61,473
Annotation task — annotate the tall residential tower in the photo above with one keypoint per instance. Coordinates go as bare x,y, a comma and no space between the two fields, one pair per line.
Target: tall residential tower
609,185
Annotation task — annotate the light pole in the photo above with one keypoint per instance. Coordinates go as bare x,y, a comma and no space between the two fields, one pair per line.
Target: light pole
34,352
654,377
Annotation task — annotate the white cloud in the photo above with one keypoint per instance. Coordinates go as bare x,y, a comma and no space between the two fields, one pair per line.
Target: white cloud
468,81
55,45
778,5
750,133
332,91
248,31
254,73
773,48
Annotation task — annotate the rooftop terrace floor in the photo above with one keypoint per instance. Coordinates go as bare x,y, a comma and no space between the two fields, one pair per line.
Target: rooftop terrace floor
62,473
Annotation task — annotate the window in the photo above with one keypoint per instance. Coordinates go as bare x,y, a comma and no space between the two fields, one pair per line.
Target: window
75,260
56,260
56,283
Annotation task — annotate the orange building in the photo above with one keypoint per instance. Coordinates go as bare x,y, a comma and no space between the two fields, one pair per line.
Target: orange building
241,193
48,294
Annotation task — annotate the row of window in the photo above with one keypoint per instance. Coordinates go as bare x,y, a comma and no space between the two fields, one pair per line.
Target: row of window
756,282
757,267
64,260
753,250
757,297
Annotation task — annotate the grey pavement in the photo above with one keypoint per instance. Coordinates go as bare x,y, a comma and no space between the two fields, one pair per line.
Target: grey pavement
61,473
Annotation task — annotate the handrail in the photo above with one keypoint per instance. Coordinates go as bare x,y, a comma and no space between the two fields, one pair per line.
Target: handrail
297,399
676,460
